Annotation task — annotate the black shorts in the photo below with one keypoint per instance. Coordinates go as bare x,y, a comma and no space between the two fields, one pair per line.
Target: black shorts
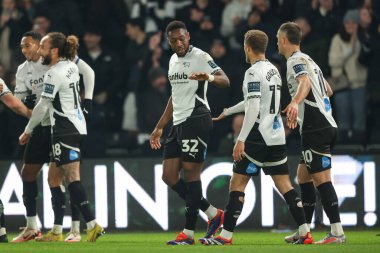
272,159
66,148
316,149
189,140
38,148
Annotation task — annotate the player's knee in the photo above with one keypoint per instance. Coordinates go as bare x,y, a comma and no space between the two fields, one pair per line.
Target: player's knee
28,174
169,180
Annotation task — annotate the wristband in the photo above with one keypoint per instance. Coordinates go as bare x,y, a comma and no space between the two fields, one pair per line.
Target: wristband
211,78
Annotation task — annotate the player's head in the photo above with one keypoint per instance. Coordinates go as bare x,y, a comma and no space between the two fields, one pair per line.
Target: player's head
30,43
289,34
178,37
255,42
56,45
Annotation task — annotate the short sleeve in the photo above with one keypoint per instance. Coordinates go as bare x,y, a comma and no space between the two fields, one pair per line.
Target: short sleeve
298,66
5,88
51,85
252,84
208,64
21,89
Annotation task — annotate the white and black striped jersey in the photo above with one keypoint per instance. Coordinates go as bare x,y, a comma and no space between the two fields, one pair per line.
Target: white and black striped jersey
314,113
61,85
189,96
263,81
30,80
5,88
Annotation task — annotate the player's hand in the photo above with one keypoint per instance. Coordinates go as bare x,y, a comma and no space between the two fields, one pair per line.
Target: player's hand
221,116
154,140
291,114
238,153
87,109
30,101
24,138
199,76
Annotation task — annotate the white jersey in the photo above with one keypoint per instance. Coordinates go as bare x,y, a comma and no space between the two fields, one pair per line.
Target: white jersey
30,80
189,96
263,81
314,113
5,88
61,85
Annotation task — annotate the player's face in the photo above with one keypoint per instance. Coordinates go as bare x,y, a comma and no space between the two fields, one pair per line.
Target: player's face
45,50
29,48
179,41
280,42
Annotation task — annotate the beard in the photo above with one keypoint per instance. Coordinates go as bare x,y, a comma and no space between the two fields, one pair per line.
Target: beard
46,60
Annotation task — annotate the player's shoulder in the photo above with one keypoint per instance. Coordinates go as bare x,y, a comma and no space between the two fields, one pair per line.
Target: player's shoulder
22,68
199,53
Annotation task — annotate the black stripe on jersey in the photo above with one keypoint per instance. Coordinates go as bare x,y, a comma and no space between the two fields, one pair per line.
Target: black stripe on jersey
200,108
313,119
57,103
255,136
201,90
63,126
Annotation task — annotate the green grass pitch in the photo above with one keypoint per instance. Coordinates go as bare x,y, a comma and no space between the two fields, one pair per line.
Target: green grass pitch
147,242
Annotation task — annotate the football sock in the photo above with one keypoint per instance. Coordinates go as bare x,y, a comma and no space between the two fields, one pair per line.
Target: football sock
31,222
58,203
79,198
180,189
308,200
193,201
75,213
189,233
226,234
57,229
337,229
295,207
329,201
30,192
211,212
233,210
91,224
3,231
75,226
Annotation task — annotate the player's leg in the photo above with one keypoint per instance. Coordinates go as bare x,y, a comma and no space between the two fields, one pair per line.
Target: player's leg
233,210
317,156
307,187
37,152
3,231
74,234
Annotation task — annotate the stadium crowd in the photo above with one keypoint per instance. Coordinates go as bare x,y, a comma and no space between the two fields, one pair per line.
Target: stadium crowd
123,41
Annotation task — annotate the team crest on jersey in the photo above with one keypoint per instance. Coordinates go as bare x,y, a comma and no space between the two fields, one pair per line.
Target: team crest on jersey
186,64
253,87
212,64
299,68
49,88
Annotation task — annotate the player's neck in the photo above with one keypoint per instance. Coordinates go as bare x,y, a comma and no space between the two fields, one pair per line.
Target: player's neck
54,60
257,57
292,50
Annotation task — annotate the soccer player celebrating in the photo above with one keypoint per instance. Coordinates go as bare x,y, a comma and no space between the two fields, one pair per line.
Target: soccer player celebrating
261,142
29,84
15,105
190,71
60,96
311,109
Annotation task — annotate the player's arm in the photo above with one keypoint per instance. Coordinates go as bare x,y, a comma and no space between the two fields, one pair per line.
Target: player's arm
328,88
219,78
38,115
164,120
15,105
89,84
239,107
252,109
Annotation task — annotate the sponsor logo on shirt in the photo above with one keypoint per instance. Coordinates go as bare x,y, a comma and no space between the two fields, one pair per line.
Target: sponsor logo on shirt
276,124
212,64
299,68
253,86
326,101
177,76
49,88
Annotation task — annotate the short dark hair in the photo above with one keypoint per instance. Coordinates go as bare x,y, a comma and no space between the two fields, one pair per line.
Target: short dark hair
35,35
292,31
140,22
257,40
176,24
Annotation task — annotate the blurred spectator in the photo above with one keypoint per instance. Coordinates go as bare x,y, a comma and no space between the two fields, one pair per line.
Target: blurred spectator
232,14
227,143
41,24
202,20
350,100
13,23
64,15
